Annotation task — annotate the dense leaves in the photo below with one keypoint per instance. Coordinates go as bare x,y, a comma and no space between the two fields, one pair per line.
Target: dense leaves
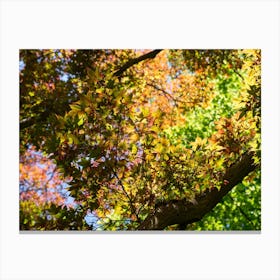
130,130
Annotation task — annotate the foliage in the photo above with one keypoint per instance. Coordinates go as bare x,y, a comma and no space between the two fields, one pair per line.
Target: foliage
44,200
239,210
130,129
39,179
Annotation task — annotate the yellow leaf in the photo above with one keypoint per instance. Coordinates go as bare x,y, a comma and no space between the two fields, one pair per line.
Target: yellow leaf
219,162
134,149
75,107
166,157
99,90
145,112
149,157
159,148
134,137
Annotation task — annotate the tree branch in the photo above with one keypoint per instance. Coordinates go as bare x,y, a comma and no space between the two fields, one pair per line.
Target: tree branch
186,212
41,117
167,94
38,119
134,61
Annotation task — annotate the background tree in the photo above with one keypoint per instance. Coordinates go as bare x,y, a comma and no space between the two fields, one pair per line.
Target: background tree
44,200
150,139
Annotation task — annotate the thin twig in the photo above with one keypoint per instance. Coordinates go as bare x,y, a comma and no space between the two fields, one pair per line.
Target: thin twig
126,194
163,91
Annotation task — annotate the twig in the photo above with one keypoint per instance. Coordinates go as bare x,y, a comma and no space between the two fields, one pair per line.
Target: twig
126,194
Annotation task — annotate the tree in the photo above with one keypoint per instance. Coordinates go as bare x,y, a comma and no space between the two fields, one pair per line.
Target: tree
149,139
44,200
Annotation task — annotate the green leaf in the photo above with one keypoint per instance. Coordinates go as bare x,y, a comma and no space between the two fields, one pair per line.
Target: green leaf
80,122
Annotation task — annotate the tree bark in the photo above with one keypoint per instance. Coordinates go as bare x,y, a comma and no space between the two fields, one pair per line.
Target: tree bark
186,212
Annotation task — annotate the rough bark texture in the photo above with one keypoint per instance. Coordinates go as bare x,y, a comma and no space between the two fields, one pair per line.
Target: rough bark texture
186,212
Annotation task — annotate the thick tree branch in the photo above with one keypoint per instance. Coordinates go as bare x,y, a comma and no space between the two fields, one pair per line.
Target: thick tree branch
186,212
134,61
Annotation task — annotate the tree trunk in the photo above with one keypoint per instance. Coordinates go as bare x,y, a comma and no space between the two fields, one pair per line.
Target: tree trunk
184,212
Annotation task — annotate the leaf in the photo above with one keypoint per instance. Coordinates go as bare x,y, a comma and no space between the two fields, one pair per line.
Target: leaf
99,90
159,148
75,107
149,157
73,139
219,163
243,113
166,157
81,121
134,149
